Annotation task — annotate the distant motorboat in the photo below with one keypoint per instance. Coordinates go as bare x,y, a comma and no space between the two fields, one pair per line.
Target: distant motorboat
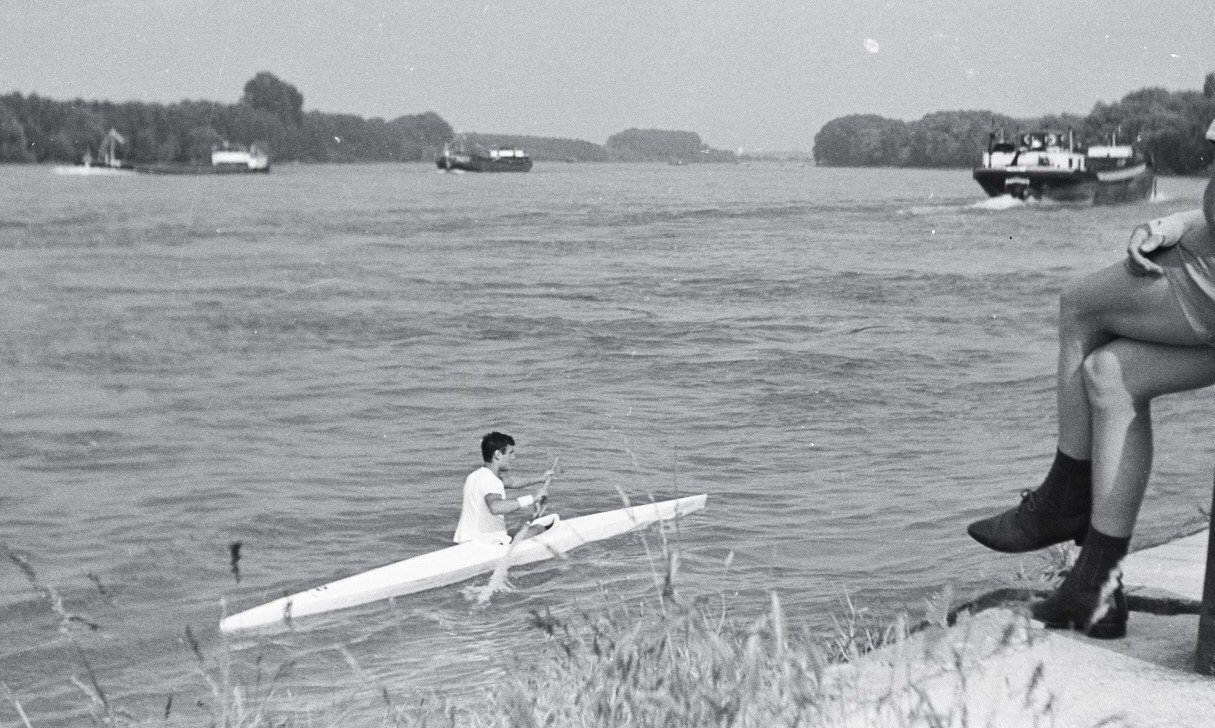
468,156
1053,166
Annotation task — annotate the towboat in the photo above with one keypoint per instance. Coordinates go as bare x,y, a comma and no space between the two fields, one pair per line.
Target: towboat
226,158
1054,166
469,156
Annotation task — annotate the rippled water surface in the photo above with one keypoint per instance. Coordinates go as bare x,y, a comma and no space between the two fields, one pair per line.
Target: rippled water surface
852,363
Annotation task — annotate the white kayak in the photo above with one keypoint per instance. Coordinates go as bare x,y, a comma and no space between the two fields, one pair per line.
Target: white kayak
457,563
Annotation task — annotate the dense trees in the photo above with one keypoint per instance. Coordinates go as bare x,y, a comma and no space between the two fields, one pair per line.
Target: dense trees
13,144
862,140
546,148
267,93
658,144
270,114
1169,126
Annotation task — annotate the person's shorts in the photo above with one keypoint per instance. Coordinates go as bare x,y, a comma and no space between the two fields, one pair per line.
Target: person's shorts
1190,268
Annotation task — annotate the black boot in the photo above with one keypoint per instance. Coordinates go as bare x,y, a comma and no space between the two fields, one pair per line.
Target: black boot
1057,511
1090,599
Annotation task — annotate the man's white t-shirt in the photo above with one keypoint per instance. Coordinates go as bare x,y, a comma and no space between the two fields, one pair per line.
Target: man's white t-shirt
477,522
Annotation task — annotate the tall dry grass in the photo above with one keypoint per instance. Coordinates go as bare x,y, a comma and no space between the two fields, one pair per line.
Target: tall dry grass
662,661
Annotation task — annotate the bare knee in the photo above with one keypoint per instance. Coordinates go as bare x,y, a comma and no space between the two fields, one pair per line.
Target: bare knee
1106,383
1076,306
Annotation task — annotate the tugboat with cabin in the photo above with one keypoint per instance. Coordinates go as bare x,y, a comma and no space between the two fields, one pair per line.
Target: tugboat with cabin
226,158
1051,165
470,156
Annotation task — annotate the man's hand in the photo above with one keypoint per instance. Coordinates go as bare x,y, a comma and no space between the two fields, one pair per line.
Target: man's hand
1142,244
542,491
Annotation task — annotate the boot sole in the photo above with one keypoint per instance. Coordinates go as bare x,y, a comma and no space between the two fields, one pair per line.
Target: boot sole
1112,631
1022,550
1076,535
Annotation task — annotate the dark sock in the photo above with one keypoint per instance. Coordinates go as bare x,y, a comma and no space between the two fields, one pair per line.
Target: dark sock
1103,542
1074,481
1099,556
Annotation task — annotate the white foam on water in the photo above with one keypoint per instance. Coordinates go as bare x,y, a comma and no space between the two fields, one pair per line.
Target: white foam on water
926,209
1002,202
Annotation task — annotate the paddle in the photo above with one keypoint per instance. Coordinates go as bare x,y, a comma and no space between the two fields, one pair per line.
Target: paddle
542,493
498,579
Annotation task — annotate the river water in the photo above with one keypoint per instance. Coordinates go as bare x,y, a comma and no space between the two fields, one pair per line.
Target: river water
853,364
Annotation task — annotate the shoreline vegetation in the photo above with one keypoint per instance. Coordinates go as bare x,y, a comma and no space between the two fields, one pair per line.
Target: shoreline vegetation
662,660
271,115
1167,125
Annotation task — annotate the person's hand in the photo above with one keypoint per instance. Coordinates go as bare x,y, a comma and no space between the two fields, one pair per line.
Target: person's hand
1142,244
541,496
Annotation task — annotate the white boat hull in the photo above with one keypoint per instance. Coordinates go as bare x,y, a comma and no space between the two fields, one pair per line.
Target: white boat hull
456,563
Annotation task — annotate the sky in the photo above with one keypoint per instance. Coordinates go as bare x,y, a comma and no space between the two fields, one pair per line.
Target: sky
752,75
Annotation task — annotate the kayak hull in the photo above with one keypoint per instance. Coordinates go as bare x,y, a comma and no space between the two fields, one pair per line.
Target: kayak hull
456,563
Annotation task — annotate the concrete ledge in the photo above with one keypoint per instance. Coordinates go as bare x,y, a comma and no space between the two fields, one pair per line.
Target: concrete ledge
1175,567
996,669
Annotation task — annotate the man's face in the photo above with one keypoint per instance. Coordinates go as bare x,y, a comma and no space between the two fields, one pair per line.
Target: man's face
505,457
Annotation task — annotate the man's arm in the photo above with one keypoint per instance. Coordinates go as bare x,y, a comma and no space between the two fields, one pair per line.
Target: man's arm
500,506
512,483
1174,226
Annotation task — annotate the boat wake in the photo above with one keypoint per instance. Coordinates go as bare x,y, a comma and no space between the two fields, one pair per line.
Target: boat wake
1000,202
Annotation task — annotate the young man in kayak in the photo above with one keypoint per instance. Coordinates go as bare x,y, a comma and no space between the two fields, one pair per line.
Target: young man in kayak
485,501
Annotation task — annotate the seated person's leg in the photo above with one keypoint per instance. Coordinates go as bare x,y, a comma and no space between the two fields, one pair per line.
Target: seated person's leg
1122,378
1095,309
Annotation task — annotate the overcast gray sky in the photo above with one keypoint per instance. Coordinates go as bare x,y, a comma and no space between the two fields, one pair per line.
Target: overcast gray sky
758,74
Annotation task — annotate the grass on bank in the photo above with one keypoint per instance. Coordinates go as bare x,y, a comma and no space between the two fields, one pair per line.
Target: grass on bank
664,661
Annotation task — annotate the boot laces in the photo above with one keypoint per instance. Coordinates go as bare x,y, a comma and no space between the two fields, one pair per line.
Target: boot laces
1029,501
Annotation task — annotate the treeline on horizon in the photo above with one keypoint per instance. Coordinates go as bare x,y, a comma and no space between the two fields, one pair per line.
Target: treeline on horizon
1168,125
271,115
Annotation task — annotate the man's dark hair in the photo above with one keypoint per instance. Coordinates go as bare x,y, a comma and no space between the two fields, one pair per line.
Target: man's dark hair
494,442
